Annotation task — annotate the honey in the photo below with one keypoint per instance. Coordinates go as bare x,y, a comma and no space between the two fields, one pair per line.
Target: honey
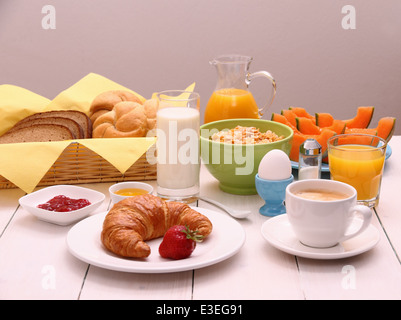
129,192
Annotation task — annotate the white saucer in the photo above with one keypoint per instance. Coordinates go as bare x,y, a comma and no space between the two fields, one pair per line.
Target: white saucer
278,232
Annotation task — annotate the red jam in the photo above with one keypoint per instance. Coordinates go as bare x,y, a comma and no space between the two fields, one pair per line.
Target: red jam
64,204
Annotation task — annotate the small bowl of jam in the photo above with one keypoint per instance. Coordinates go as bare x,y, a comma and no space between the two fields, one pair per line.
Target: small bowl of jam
122,190
62,204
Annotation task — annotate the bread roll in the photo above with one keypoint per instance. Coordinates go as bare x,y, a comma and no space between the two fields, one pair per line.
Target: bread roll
151,106
106,101
127,119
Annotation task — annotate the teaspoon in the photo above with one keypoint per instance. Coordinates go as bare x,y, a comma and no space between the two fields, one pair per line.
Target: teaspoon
239,214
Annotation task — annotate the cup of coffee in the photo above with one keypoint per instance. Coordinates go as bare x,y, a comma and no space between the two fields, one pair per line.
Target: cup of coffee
321,211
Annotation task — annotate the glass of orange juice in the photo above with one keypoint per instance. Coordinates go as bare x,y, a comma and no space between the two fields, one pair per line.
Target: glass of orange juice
358,159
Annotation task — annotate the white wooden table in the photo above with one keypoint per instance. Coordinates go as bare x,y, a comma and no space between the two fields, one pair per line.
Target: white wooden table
36,264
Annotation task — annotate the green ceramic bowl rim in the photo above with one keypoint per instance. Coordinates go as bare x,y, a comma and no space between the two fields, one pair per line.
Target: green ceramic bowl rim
252,120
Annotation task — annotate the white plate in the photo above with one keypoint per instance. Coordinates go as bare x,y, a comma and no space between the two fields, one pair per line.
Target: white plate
278,232
226,239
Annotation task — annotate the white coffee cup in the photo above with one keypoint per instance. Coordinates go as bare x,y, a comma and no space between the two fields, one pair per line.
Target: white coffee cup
320,223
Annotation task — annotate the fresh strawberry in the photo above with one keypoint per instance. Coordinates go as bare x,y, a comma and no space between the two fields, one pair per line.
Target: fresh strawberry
179,242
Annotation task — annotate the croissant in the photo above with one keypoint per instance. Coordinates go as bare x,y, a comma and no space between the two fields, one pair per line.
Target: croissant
137,219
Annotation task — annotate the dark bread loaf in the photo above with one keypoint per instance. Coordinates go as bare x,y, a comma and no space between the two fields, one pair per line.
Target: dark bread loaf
38,133
75,128
81,118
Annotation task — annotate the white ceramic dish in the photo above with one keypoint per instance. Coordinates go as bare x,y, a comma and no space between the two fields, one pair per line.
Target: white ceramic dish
83,241
128,184
32,200
278,232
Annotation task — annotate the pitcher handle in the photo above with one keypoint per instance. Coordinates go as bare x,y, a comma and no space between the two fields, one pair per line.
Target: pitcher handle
265,74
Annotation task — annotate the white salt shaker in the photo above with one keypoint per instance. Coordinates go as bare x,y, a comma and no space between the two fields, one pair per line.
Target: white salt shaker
310,160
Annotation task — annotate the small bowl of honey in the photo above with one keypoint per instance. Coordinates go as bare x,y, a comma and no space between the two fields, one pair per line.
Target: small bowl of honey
122,190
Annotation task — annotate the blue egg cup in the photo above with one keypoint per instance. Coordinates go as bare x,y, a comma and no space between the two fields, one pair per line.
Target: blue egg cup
273,193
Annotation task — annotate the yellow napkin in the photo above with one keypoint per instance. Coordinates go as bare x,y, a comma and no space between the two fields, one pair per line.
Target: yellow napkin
121,153
17,103
80,95
25,164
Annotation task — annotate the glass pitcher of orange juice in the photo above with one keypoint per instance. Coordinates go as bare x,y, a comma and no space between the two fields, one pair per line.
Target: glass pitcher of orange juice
231,98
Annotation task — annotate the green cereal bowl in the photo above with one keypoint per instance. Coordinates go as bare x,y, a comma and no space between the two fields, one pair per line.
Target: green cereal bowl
235,165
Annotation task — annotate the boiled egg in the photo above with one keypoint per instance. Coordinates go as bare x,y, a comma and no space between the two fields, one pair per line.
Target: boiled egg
275,165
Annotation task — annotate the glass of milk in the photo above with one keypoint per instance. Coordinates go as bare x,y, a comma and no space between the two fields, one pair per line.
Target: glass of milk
178,150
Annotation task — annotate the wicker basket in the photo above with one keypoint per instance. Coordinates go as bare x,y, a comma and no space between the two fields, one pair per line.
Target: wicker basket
78,164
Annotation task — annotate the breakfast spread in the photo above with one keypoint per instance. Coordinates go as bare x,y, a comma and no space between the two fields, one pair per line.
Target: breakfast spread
63,203
245,135
141,216
135,220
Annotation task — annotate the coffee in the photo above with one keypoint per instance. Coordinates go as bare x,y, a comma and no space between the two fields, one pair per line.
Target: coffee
321,195
320,212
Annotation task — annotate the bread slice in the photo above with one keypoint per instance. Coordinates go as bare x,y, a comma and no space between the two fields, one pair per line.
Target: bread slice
81,118
38,133
75,128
